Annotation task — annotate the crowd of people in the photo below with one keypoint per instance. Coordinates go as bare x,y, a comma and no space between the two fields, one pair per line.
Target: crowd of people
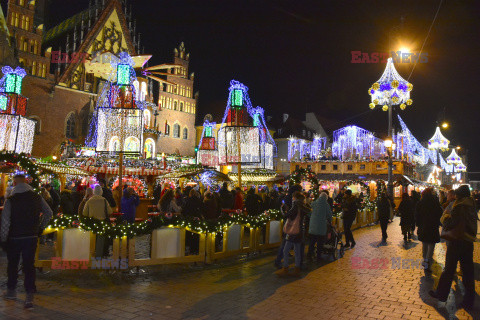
307,219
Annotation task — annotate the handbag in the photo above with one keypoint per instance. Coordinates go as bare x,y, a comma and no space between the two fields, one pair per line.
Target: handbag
292,227
456,233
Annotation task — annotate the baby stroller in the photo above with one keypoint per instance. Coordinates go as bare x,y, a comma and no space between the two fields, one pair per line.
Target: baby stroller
333,244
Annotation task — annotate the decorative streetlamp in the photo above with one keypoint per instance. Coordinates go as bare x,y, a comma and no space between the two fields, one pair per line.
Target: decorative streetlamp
389,91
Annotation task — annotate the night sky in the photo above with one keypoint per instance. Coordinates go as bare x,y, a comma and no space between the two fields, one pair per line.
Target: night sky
295,56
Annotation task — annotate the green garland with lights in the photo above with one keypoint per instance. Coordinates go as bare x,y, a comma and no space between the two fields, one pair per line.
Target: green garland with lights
24,161
305,174
148,226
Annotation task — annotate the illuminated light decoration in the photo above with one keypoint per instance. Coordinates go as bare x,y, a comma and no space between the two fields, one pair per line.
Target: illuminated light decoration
16,131
318,145
3,103
460,167
351,142
123,74
434,177
207,154
414,149
454,158
257,176
438,141
403,106
238,140
372,106
303,147
391,89
117,124
268,148
385,108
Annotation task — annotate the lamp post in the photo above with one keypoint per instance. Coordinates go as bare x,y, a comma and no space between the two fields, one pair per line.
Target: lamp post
389,91
390,145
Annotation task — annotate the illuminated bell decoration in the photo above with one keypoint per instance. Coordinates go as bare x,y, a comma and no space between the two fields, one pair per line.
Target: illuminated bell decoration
385,108
372,106
391,89
438,141
409,102
403,106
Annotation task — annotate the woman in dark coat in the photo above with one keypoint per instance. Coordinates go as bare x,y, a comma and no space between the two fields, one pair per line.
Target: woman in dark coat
383,206
407,217
253,203
427,216
193,205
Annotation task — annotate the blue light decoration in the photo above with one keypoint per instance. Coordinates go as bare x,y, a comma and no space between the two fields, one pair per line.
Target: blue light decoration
355,143
390,90
438,141
117,121
268,148
414,149
314,148
208,178
460,167
12,79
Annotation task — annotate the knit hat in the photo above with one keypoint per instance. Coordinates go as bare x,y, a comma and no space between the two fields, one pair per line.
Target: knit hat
97,191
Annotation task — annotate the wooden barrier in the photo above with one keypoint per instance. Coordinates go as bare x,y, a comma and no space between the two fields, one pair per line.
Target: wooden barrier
168,246
233,242
273,235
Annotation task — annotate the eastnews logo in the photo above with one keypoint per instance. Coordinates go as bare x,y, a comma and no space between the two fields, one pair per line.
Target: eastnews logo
381,57
385,263
103,264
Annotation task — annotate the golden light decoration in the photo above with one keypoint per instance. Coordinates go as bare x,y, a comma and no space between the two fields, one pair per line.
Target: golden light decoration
370,91
403,106
409,87
409,102
372,106
376,86
385,108
375,101
395,84
395,99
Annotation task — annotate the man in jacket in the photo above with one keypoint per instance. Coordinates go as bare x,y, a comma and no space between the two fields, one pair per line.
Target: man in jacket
25,216
463,216
226,197
107,193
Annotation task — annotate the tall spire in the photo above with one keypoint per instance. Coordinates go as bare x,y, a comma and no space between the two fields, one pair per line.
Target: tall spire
82,28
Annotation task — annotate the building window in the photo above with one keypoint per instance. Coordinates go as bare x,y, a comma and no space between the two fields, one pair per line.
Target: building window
176,130
362,167
175,105
350,167
324,167
181,106
303,133
149,148
34,68
167,129
70,126
23,22
335,167
44,70
185,133
143,95
146,118
27,23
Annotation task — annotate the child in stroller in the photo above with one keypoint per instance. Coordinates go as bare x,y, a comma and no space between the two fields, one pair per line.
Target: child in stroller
333,243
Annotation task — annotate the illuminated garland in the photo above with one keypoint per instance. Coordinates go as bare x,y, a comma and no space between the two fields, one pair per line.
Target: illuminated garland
167,220
26,163
304,174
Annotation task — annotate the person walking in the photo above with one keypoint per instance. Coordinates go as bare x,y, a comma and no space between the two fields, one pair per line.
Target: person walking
98,208
407,214
349,206
294,230
384,207
25,215
320,217
460,228
427,216
129,204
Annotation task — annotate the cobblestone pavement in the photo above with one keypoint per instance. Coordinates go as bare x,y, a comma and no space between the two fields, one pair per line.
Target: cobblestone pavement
247,288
